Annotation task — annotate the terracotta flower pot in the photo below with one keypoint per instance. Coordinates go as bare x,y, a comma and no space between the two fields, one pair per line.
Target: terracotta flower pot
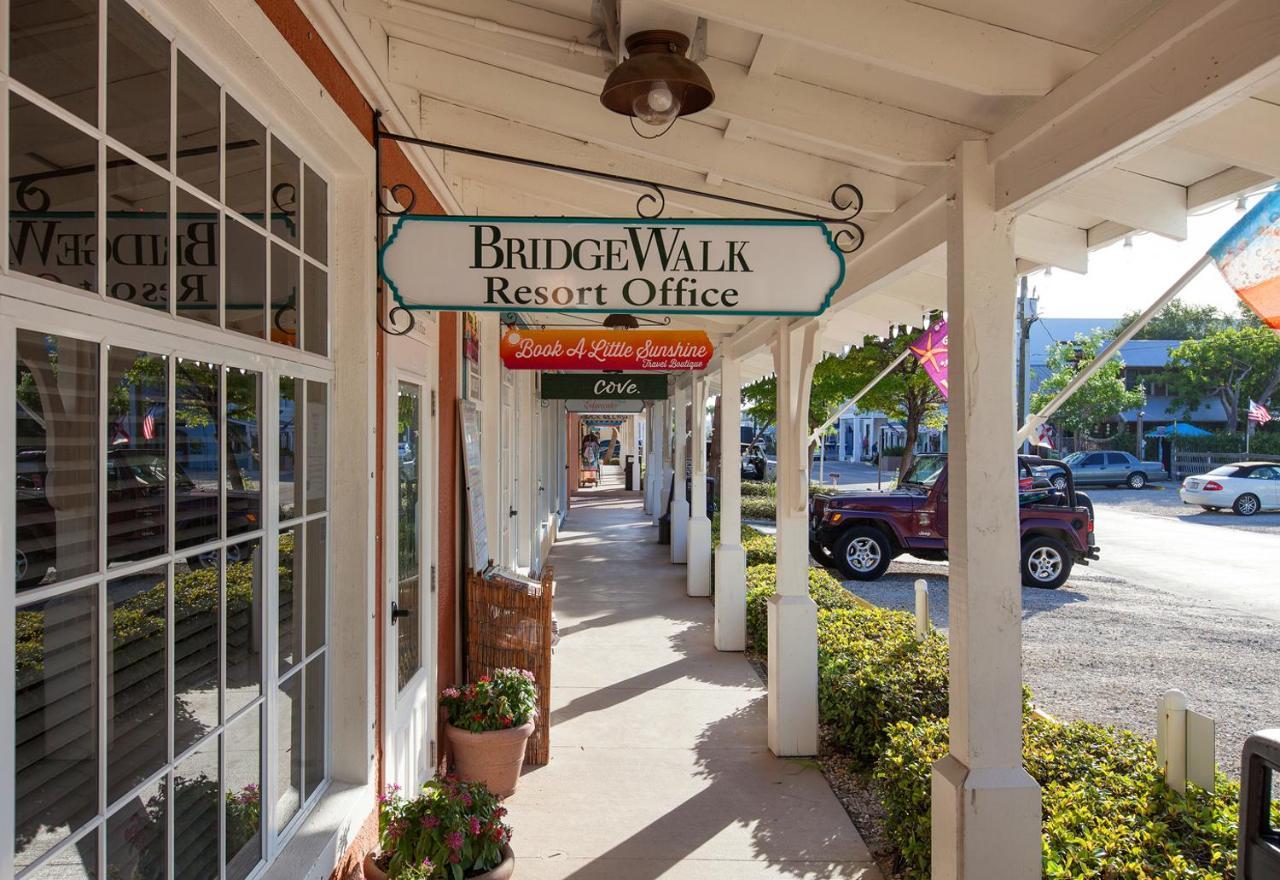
494,757
504,870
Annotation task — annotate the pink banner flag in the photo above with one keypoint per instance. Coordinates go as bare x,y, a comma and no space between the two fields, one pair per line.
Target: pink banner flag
931,351
1249,258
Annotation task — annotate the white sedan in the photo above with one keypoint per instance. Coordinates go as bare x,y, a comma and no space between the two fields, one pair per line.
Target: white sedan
1246,488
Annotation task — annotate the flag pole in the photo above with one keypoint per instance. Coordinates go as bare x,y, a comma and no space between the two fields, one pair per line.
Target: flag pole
1034,422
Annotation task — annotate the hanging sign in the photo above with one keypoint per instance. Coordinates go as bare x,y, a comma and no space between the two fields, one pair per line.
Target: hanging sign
588,264
603,423
604,406
600,349
603,386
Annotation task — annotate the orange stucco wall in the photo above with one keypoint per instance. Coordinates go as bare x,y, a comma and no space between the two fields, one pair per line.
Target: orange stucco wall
297,29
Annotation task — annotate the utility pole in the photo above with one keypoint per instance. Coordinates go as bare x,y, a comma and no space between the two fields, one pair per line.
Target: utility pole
1027,315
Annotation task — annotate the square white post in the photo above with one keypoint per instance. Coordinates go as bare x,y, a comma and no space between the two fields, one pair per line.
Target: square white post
633,447
986,808
679,502
648,456
698,580
662,446
793,616
731,559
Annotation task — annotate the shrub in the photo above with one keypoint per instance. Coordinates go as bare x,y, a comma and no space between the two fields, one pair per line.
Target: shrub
505,699
758,489
759,508
452,829
762,582
1107,813
761,549
873,673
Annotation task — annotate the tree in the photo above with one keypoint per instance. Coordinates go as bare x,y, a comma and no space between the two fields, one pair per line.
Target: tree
906,394
1102,397
1236,365
1178,320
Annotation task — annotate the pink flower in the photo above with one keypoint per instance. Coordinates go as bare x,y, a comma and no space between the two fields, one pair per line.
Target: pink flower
451,693
500,812
466,799
475,827
430,821
427,866
453,840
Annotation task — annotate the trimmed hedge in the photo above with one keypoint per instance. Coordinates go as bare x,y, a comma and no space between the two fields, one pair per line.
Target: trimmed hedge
762,582
761,549
1107,812
872,674
758,489
759,508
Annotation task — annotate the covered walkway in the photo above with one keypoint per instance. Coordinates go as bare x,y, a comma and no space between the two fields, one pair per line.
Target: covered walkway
659,761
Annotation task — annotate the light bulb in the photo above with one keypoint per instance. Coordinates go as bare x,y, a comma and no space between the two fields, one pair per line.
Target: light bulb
658,106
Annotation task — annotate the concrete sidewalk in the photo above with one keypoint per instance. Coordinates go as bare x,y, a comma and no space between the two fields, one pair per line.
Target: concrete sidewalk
659,762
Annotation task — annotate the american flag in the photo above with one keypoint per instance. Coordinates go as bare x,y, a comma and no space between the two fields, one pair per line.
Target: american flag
1258,413
149,425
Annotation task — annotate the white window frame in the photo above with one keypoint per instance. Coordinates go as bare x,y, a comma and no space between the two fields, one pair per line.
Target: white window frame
33,303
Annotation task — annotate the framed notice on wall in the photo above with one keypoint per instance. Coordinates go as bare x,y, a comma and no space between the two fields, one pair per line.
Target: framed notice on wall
469,422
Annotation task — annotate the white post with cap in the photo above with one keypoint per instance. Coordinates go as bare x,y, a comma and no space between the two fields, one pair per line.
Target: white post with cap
679,502
698,580
793,615
731,559
986,807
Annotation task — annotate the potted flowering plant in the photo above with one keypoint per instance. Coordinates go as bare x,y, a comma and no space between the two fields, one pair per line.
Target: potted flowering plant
490,721
450,831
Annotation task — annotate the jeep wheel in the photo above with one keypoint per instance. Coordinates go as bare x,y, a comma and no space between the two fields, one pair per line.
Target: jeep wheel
1059,482
1137,480
1045,563
863,553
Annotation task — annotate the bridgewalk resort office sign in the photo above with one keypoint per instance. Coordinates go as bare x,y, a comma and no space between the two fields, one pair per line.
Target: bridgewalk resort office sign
537,264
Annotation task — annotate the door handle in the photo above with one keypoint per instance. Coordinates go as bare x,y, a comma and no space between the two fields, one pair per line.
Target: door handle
397,613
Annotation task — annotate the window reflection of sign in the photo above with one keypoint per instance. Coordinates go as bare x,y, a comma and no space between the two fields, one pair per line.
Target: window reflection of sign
62,247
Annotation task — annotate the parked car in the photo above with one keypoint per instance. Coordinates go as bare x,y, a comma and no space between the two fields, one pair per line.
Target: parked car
861,532
1246,488
756,465
1103,469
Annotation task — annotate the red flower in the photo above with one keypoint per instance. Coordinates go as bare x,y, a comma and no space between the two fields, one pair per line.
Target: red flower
485,679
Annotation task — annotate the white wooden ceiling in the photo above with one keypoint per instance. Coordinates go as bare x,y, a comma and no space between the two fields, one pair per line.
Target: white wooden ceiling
811,94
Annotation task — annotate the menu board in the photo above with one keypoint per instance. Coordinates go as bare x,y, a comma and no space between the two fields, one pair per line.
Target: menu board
469,420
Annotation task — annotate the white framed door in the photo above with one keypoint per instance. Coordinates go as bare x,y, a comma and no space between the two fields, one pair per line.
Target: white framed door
409,581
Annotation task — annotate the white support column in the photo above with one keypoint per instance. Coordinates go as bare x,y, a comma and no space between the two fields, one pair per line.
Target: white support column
650,409
662,446
986,808
793,616
633,448
679,502
731,559
698,582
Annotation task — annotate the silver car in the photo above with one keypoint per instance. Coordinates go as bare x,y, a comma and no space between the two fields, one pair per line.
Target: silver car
1105,469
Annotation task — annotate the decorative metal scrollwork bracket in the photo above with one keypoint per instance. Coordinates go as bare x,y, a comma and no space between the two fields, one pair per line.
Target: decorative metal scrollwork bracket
846,202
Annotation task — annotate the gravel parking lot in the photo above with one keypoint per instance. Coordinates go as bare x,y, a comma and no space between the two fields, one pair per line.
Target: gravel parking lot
1102,649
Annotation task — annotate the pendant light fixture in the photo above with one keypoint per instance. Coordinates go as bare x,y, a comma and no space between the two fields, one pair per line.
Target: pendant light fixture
657,84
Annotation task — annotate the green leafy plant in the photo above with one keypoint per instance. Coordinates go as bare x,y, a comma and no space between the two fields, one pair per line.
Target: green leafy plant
759,508
506,699
758,489
873,673
762,582
244,816
451,830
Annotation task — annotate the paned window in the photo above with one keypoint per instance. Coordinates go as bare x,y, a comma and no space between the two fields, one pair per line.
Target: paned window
171,530
207,213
